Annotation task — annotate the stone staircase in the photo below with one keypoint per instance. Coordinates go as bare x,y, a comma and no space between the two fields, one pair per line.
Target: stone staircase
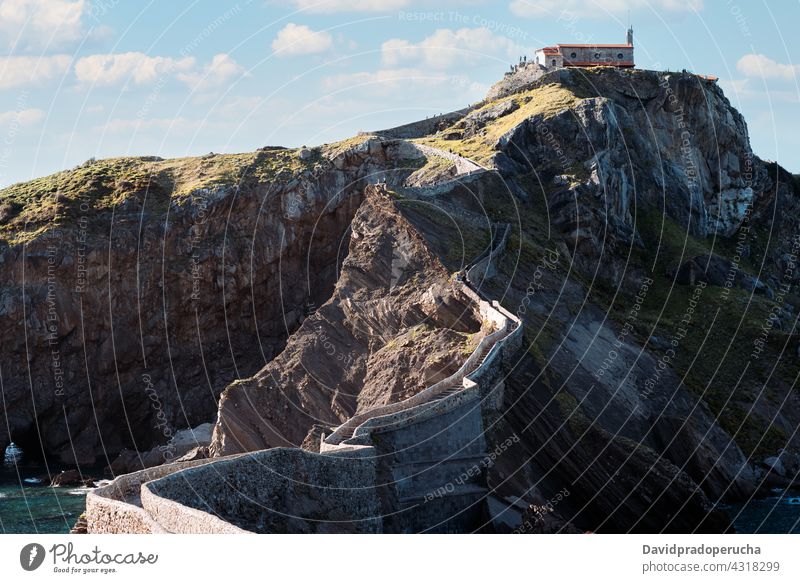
475,272
412,466
347,431
447,393
467,170
448,387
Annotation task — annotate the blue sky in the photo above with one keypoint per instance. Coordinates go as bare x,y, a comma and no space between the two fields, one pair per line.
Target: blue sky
81,79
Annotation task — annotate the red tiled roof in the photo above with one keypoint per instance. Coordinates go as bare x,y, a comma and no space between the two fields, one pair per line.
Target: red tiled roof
550,50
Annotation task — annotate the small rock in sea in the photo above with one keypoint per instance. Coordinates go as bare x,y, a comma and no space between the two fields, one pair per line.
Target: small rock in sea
81,526
67,478
775,464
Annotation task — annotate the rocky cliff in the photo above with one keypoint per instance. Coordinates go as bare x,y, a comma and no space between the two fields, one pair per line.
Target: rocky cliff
652,259
134,290
396,323
642,271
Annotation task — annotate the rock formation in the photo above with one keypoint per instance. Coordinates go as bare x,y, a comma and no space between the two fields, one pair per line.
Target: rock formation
652,258
396,323
134,290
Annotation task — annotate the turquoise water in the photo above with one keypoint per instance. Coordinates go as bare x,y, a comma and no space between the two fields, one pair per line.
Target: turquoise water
28,504
777,515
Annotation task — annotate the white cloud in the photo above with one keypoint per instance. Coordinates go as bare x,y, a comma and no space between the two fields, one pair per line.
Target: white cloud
448,48
735,86
349,5
141,69
746,89
22,71
112,69
551,8
23,117
41,23
219,71
298,39
762,66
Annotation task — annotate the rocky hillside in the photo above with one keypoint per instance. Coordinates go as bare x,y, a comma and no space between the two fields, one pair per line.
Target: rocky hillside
134,290
655,270
396,324
652,258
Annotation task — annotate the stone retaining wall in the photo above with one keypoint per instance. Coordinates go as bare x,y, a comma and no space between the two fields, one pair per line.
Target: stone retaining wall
116,507
178,518
280,490
463,165
421,128
484,267
444,187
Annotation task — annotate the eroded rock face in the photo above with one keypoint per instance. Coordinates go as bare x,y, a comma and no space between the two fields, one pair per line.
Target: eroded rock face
639,141
516,81
120,328
596,415
396,323
474,122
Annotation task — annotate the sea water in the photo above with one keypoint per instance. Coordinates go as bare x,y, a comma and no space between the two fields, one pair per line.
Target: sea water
779,514
27,502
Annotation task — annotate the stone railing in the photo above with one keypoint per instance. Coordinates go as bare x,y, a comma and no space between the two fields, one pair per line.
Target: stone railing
466,170
178,518
337,490
258,492
117,508
482,268
507,340
421,128
464,166
504,322
349,427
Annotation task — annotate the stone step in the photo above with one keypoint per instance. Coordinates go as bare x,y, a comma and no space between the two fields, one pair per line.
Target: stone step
447,393
457,490
474,457
483,353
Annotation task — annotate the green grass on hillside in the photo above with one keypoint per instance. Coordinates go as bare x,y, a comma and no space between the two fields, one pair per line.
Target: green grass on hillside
546,100
457,242
29,208
715,358
336,148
